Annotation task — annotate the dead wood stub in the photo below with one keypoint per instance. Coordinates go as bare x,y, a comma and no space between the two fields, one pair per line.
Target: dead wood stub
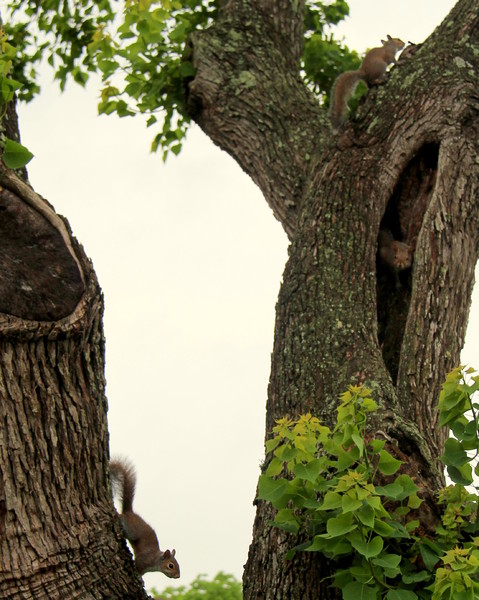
39,278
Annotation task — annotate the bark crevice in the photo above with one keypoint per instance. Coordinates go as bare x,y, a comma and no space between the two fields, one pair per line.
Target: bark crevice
403,219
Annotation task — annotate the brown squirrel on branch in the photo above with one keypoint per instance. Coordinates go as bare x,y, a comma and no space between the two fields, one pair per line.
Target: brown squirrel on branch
142,537
372,71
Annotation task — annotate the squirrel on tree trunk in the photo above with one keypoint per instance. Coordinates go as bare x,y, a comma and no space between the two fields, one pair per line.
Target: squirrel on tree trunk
372,71
142,537
395,255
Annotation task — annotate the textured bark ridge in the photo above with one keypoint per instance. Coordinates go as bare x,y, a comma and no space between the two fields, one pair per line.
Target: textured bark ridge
59,533
407,162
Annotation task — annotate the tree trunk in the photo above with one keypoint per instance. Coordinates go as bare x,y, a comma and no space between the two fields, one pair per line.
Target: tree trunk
409,166
59,534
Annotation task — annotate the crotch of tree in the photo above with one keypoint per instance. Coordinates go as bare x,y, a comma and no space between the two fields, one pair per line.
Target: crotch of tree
404,218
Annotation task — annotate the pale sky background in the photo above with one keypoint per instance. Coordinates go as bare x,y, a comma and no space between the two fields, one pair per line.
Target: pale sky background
190,259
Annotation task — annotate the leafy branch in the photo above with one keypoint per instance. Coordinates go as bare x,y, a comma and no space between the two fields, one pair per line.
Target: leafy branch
342,493
140,50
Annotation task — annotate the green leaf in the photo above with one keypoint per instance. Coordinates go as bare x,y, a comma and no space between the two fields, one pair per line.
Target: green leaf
416,577
286,520
288,453
108,107
429,556
388,465
330,547
471,429
414,501
310,471
388,561
271,489
376,504
454,454
408,486
176,149
7,89
401,595
383,529
346,459
15,156
187,69
331,501
392,491
359,591
341,525
361,572
274,468
350,504
462,475
367,549
366,516
377,445
359,441
399,530
369,405
412,525
458,428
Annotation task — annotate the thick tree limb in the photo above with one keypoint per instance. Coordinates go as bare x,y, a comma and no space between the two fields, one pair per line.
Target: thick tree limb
249,99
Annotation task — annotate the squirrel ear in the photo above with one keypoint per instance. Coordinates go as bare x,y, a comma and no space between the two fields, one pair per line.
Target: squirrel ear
166,554
173,552
389,37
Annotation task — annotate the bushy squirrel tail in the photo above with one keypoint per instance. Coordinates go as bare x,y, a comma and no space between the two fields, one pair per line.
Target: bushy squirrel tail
124,480
341,91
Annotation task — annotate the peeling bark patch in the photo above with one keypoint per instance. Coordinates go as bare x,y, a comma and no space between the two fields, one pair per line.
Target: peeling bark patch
39,279
403,218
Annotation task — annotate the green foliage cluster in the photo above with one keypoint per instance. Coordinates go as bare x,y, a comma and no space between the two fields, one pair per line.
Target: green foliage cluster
221,587
324,58
342,491
140,50
58,30
149,48
461,415
14,155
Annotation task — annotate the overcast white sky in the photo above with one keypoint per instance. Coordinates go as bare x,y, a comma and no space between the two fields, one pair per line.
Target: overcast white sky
190,260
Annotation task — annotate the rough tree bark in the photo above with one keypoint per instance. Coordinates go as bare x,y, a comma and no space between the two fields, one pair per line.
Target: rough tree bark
59,537
407,162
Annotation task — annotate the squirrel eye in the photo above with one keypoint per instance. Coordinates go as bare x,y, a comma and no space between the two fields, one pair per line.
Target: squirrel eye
171,566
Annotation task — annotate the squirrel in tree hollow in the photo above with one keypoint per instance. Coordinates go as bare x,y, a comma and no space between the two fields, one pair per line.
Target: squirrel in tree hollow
372,71
142,537
396,255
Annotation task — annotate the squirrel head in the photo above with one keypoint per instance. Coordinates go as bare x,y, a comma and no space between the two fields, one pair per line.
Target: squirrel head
169,564
402,255
397,43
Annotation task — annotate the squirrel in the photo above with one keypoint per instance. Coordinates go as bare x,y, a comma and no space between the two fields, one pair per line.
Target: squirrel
372,71
397,256
142,537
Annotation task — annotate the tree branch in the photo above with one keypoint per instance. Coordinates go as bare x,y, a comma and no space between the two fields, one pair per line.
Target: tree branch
249,99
